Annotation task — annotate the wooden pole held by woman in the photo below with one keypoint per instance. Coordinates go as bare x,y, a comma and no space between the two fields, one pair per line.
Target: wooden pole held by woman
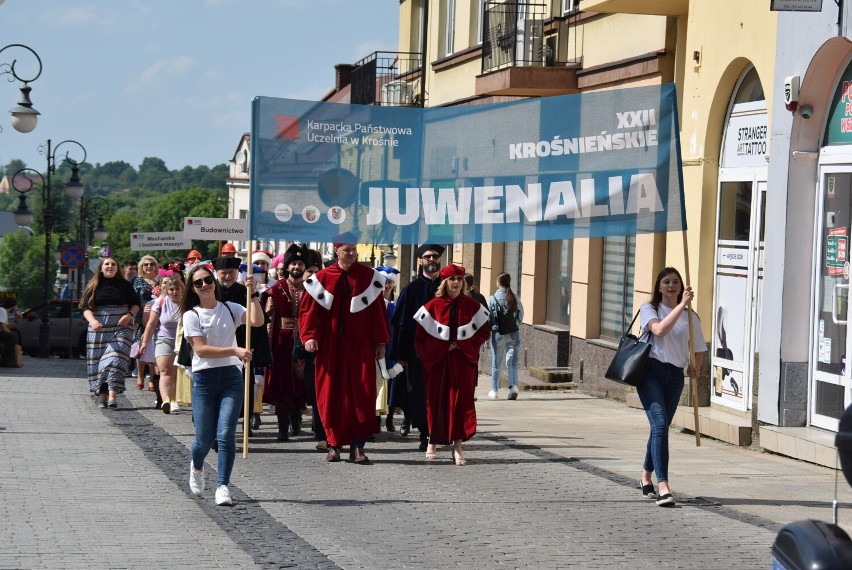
248,369
692,381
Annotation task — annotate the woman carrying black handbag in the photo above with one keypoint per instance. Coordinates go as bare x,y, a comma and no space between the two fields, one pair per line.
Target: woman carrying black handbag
665,317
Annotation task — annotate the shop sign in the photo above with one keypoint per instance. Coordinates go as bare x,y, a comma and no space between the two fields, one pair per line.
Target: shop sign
795,5
836,250
747,136
839,129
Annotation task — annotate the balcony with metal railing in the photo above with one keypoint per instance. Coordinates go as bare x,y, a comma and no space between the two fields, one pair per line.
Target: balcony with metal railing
520,54
387,78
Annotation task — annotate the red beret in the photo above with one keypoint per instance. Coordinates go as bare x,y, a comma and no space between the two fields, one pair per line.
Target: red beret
450,270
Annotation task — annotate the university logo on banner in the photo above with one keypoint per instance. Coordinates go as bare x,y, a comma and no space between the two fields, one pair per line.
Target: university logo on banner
586,165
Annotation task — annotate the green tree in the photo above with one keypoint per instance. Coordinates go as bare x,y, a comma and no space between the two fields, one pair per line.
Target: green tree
120,226
22,266
13,166
168,212
154,175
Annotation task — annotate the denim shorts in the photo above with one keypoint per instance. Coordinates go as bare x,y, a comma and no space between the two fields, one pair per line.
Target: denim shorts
164,347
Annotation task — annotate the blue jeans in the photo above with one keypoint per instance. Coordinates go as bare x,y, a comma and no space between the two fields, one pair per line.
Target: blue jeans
504,346
660,394
217,397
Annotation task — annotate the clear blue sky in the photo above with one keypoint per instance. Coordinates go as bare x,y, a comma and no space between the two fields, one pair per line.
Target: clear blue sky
174,78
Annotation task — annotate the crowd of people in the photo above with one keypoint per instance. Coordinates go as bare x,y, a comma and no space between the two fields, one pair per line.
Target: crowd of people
180,329
332,337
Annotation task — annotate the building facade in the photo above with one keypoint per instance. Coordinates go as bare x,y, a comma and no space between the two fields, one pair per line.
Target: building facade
768,189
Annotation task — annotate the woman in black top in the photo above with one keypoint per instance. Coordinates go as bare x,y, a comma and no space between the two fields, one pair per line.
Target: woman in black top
110,305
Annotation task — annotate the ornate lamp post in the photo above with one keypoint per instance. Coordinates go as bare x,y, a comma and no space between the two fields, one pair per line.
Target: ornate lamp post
94,208
23,217
24,117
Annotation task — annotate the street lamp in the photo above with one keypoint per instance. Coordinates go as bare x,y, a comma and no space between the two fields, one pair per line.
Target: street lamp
23,215
91,208
24,117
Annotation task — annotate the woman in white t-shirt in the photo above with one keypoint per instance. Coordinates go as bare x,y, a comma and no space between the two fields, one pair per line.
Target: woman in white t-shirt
217,374
666,318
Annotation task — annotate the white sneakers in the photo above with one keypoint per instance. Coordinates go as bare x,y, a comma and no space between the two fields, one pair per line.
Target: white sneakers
223,496
196,480
492,394
196,485
513,392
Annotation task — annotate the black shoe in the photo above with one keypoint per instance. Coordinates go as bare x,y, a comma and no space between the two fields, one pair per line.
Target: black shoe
255,421
648,491
424,445
389,424
296,423
666,500
215,446
404,429
283,429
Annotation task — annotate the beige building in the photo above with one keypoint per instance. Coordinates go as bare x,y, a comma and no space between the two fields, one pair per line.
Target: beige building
579,294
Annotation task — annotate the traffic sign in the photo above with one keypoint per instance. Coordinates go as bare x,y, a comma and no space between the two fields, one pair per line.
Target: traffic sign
72,256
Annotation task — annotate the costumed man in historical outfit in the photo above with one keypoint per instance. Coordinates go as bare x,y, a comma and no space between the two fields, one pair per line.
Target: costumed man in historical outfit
344,321
283,383
403,328
452,328
305,359
227,269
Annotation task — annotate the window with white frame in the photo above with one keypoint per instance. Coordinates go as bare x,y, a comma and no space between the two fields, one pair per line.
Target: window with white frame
569,6
450,29
480,21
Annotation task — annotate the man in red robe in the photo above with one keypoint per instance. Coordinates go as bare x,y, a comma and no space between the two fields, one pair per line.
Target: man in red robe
452,328
343,319
283,385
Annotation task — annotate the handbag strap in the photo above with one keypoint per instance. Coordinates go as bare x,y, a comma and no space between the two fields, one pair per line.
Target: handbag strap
630,327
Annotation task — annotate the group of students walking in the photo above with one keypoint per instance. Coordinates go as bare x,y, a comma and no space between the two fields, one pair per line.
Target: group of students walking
332,334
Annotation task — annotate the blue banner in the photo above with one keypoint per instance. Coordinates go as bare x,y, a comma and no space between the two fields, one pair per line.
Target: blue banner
588,165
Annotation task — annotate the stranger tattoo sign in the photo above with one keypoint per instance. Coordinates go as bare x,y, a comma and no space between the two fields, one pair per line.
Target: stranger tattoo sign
585,165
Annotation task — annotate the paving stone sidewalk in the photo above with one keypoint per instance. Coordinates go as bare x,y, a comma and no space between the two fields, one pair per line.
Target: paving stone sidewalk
551,483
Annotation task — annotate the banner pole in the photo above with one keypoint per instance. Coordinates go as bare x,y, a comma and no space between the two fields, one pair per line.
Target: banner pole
692,381
248,369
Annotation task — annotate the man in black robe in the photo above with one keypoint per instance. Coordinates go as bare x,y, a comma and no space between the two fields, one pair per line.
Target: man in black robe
227,270
403,328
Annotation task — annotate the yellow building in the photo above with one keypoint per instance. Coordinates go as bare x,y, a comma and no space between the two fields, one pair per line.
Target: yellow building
580,294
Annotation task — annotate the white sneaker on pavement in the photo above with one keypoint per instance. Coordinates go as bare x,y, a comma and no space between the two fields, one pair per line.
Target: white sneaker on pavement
223,496
196,480
513,392
492,394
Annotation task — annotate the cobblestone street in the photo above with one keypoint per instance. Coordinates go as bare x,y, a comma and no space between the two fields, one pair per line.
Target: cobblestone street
84,487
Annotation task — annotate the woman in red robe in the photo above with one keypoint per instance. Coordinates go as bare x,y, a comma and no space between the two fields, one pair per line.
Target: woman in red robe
453,327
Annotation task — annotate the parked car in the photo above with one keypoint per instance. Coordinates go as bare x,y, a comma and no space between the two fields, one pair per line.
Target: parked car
67,331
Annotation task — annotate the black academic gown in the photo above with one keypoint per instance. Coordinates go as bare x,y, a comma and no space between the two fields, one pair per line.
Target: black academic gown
403,331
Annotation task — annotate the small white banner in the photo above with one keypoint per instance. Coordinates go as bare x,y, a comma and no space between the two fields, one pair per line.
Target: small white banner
158,240
225,229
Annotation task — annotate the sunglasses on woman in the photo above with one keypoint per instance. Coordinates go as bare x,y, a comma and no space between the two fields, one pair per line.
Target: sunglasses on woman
198,283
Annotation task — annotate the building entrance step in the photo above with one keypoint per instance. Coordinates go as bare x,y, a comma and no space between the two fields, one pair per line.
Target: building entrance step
715,423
